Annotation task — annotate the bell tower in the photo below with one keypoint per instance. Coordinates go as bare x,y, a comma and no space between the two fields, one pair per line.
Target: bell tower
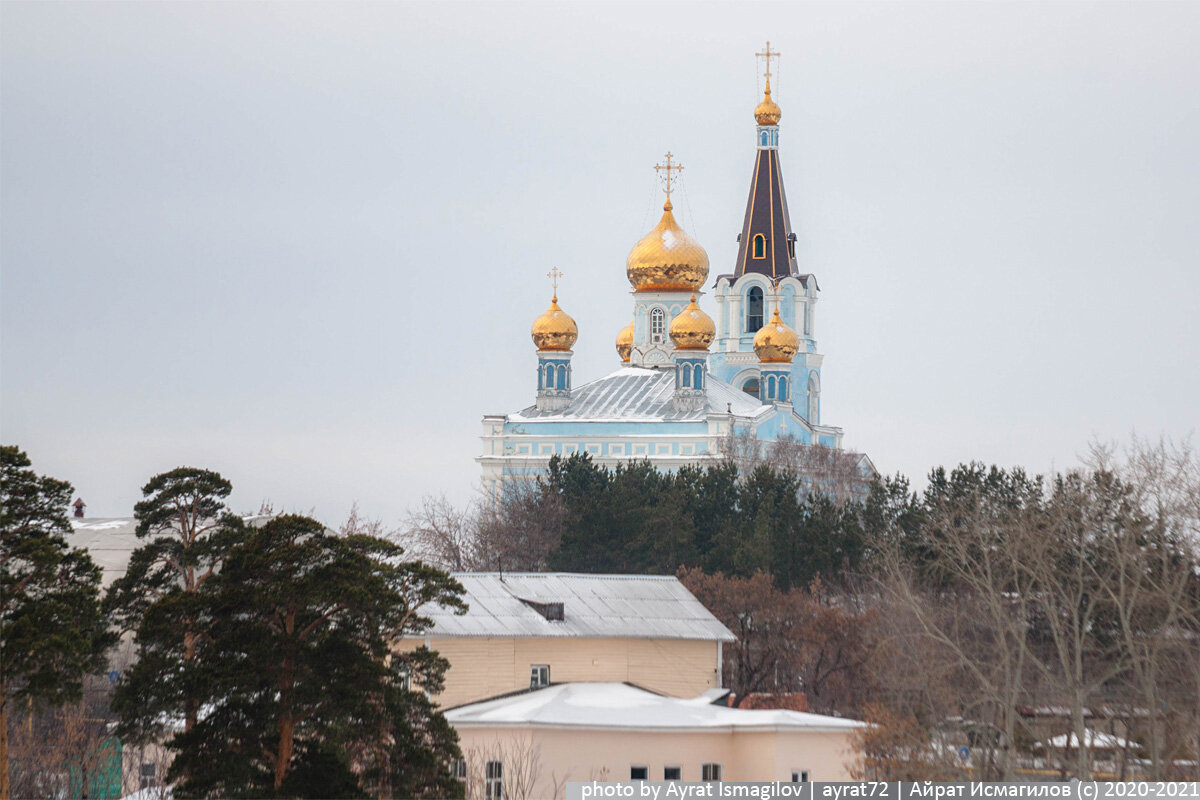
766,278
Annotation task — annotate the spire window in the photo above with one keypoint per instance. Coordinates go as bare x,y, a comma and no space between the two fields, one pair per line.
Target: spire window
760,246
754,309
658,325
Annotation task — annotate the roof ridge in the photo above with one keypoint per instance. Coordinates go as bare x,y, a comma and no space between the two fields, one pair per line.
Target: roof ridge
589,575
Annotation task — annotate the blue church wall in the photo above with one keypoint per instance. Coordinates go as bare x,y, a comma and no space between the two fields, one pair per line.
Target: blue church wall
587,430
782,425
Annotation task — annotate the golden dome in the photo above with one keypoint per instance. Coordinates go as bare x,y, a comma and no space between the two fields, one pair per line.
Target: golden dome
625,342
666,259
692,329
766,112
776,342
554,330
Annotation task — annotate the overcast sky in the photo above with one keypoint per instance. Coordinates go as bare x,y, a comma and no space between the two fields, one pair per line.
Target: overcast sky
302,243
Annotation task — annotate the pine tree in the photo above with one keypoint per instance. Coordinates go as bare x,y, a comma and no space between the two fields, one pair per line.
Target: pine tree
50,623
301,694
187,530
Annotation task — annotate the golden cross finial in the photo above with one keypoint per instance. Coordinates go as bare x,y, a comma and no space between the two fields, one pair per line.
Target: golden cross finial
768,54
554,274
668,168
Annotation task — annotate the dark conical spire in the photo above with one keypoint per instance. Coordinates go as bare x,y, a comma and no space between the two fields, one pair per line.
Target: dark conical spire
767,245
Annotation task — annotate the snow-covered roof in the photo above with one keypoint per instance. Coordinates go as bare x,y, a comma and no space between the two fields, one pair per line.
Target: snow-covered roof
593,606
636,393
110,541
1095,740
622,706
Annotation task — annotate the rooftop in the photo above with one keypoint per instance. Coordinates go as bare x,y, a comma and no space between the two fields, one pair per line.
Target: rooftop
622,706
637,393
110,541
514,605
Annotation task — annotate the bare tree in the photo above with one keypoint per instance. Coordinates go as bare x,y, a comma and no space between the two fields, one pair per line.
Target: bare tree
972,598
842,474
440,533
517,530
521,767
1153,593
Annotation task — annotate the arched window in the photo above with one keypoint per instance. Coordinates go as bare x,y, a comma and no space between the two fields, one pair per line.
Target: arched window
770,387
763,138
754,309
698,380
750,387
562,376
760,246
541,379
658,324
783,393
814,399
687,376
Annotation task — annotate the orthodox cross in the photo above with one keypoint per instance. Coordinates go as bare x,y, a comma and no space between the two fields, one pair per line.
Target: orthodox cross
668,168
554,274
768,54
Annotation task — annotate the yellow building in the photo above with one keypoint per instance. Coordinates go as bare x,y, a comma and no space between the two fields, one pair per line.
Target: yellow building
526,630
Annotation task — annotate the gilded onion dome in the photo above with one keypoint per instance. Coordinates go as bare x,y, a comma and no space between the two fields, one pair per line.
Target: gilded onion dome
692,329
666,259
554,330
625,342
776,342
767,112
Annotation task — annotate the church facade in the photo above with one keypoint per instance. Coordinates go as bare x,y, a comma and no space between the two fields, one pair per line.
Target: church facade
685,383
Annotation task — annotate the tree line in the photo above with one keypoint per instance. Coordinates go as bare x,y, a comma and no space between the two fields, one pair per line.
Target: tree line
262,653
988,595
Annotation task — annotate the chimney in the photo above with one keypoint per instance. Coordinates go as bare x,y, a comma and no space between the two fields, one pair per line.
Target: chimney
79,507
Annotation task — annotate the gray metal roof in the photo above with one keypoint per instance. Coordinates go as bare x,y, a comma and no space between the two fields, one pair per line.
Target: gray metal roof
636,393
594,606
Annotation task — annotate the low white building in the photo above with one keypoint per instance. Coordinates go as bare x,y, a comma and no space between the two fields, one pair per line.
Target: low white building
532,743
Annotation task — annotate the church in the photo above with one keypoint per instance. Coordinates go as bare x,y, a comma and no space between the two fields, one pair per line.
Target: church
686,383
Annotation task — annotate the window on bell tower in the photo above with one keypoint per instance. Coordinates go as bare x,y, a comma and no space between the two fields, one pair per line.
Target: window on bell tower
658,325
754,309
760,246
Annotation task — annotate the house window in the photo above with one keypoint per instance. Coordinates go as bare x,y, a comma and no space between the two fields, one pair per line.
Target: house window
639,773
458,768
658,324
710,772
760,246
672,773
754,309
539,676
493,780
148,774
750,387
799,776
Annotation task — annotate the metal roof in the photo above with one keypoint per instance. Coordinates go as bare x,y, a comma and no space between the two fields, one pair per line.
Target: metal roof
622,706
636,393
594,606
